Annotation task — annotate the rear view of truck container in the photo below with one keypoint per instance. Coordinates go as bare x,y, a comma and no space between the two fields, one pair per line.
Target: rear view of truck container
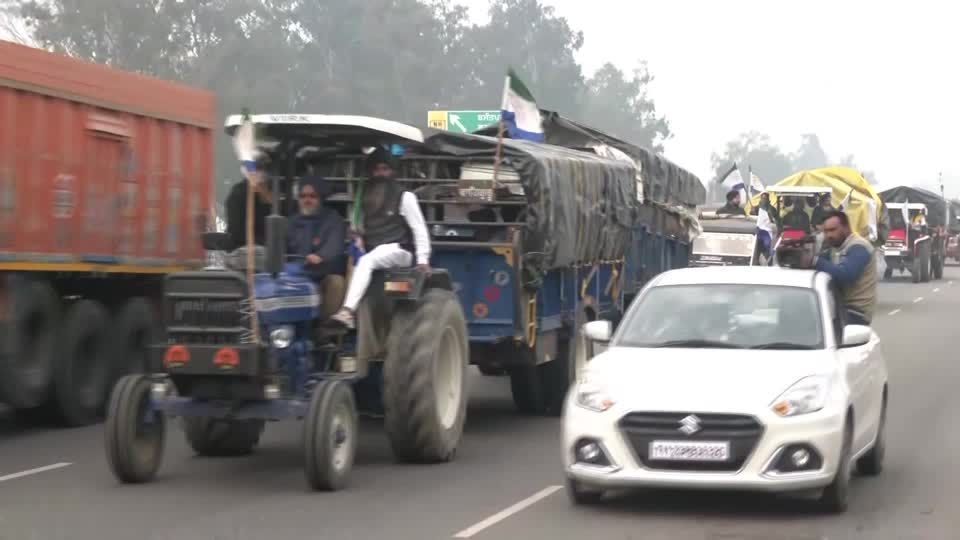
106,180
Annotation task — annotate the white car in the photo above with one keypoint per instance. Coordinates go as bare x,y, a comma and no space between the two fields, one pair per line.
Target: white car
740,378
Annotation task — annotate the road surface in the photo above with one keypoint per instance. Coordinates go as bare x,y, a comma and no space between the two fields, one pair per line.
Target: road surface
505,484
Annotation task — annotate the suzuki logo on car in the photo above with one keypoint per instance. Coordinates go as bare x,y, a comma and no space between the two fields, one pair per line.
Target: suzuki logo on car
690,425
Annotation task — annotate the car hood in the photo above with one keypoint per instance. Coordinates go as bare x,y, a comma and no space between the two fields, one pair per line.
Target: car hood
718,380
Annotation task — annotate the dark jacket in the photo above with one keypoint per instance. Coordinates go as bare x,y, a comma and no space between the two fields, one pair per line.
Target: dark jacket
797,219
323,234
383,222
731,209
236,207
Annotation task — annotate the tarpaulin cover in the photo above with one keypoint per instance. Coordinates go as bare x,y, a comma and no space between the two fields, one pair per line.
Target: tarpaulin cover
935,203
581,207
840,180
665,182
955,216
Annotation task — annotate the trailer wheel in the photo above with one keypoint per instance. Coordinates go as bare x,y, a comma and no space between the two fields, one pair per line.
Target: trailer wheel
888,273
137,329
528,386
215,437
134,435
26,371
925,262
937,270
570,360
330,436
83,368
424,379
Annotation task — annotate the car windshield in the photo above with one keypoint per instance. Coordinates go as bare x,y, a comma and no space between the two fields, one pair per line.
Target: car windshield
724,316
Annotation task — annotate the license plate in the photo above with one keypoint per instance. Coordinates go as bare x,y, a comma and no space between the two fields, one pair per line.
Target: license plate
689,451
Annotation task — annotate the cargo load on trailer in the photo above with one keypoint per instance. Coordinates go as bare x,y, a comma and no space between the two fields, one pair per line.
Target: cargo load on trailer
106,180
863,207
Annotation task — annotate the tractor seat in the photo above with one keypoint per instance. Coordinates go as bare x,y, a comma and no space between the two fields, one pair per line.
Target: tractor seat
793,234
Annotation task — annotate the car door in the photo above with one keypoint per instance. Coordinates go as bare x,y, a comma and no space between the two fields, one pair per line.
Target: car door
856,362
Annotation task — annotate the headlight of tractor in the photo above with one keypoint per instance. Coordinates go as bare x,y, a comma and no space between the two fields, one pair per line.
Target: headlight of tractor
281,337
593,396
806,396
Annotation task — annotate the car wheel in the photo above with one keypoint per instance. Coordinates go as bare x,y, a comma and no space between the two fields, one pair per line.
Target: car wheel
834,498
581,495
871,464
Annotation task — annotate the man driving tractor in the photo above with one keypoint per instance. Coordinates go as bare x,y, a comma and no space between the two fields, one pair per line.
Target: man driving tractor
318,234
391,231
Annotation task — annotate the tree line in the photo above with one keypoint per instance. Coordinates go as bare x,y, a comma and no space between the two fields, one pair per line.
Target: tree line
395,59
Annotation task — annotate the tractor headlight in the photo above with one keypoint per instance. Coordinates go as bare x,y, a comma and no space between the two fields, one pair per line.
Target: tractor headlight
281,337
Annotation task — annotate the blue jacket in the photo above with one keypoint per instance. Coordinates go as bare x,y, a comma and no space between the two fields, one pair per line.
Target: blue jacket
323,234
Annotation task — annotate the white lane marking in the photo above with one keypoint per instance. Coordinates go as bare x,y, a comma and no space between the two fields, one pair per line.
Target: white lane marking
937,289
918,299
30,472
894,312
507,512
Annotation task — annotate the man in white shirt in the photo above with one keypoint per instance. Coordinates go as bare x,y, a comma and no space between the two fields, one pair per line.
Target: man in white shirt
393,231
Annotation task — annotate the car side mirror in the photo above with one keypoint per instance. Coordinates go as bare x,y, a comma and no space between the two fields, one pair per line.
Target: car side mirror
855,335
598,331
216,241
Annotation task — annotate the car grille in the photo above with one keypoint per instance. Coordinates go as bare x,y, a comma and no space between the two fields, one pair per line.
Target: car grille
205,321
642,428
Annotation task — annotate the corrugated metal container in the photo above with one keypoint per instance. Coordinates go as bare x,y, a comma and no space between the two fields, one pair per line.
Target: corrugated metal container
100,166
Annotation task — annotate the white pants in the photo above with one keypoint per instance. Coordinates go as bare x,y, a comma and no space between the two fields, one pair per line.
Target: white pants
381,258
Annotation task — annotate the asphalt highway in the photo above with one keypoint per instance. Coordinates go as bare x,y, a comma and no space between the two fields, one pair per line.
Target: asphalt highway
506,481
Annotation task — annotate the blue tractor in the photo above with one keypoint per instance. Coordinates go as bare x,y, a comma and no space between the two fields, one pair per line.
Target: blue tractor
225,384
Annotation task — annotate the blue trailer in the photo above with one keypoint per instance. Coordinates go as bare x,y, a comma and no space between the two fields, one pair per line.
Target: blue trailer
560,238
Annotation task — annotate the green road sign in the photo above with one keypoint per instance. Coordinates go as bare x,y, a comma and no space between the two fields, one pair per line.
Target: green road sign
462,121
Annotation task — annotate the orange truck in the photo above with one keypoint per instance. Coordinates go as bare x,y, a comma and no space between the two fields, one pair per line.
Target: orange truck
106,184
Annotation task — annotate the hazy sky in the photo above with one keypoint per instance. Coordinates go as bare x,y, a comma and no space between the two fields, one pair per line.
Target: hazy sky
878,79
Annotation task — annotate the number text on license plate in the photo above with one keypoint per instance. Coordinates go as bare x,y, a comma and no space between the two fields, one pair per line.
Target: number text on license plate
689,451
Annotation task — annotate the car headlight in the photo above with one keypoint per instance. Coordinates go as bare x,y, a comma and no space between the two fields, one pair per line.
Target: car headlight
805,396
593,396
281,337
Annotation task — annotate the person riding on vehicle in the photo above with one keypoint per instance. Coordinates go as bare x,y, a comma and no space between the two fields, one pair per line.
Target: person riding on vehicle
733,205
796,218
236,206
849,260
393,230
318,234
820,211
920,220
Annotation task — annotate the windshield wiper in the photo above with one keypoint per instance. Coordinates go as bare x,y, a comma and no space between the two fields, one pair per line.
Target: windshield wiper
784,346
696,344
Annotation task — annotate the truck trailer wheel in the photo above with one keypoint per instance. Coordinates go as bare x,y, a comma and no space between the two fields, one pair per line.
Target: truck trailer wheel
83,367
134,435
26,371
214,437
528,385
424,378
136,328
